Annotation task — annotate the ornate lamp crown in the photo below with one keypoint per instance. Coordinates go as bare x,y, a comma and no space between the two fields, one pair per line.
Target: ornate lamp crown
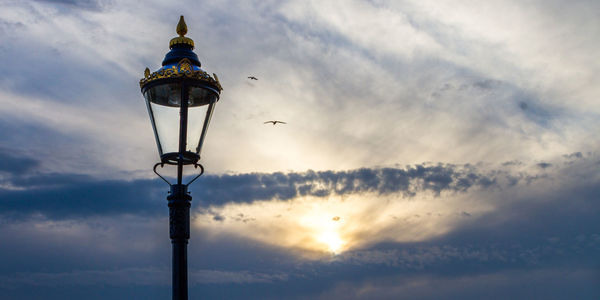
181,39
181,62
183,69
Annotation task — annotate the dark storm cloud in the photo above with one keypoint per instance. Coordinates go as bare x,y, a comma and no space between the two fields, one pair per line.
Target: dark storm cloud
27,190
405,181
58,195
62,195
73,196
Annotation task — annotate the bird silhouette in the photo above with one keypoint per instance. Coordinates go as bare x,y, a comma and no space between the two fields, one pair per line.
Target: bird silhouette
252,78
274,122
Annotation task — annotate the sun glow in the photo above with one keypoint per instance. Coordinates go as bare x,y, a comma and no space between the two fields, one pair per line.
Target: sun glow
315,227
324,227
333,240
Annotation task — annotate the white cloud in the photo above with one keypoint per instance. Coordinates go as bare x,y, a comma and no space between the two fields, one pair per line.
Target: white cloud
360,84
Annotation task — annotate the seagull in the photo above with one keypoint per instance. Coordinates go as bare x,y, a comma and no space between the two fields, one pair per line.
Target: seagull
252,78
274,122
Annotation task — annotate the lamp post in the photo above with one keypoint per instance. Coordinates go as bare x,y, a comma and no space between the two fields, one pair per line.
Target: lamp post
180,98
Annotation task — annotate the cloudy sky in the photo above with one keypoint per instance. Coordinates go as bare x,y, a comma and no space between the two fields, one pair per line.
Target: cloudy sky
433,150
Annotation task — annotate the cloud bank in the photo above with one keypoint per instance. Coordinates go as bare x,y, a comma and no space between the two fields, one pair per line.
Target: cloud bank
449,145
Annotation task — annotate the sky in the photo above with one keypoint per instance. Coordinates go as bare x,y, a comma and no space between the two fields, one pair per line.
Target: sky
433,150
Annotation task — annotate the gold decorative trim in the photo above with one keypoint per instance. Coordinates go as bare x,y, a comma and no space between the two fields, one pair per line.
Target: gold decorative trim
181,40
183,69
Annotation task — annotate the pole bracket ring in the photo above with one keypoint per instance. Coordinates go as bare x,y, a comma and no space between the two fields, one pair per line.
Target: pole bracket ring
162,164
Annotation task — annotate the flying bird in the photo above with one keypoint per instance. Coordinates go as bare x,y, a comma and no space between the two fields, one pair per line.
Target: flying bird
252,78
274,122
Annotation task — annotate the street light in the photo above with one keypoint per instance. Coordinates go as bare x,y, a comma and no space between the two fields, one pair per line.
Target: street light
180,98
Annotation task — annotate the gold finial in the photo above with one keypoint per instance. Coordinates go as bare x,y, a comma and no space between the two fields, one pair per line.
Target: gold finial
181,39
147,73
181,27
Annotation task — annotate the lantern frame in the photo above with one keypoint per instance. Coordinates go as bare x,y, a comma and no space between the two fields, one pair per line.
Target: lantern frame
187,74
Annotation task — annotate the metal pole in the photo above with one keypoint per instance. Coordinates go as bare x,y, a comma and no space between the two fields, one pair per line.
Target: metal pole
179,231
179,210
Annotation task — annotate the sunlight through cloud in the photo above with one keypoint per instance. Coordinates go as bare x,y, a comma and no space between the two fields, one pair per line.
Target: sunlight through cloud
317,227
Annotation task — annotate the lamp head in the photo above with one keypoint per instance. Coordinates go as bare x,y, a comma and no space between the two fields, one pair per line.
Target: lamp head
180,97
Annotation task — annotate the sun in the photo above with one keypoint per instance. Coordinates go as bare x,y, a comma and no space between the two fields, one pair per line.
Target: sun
333,241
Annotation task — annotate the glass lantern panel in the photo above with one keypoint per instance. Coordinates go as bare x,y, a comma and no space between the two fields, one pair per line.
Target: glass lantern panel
163,103
199,114
201,96
163,106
